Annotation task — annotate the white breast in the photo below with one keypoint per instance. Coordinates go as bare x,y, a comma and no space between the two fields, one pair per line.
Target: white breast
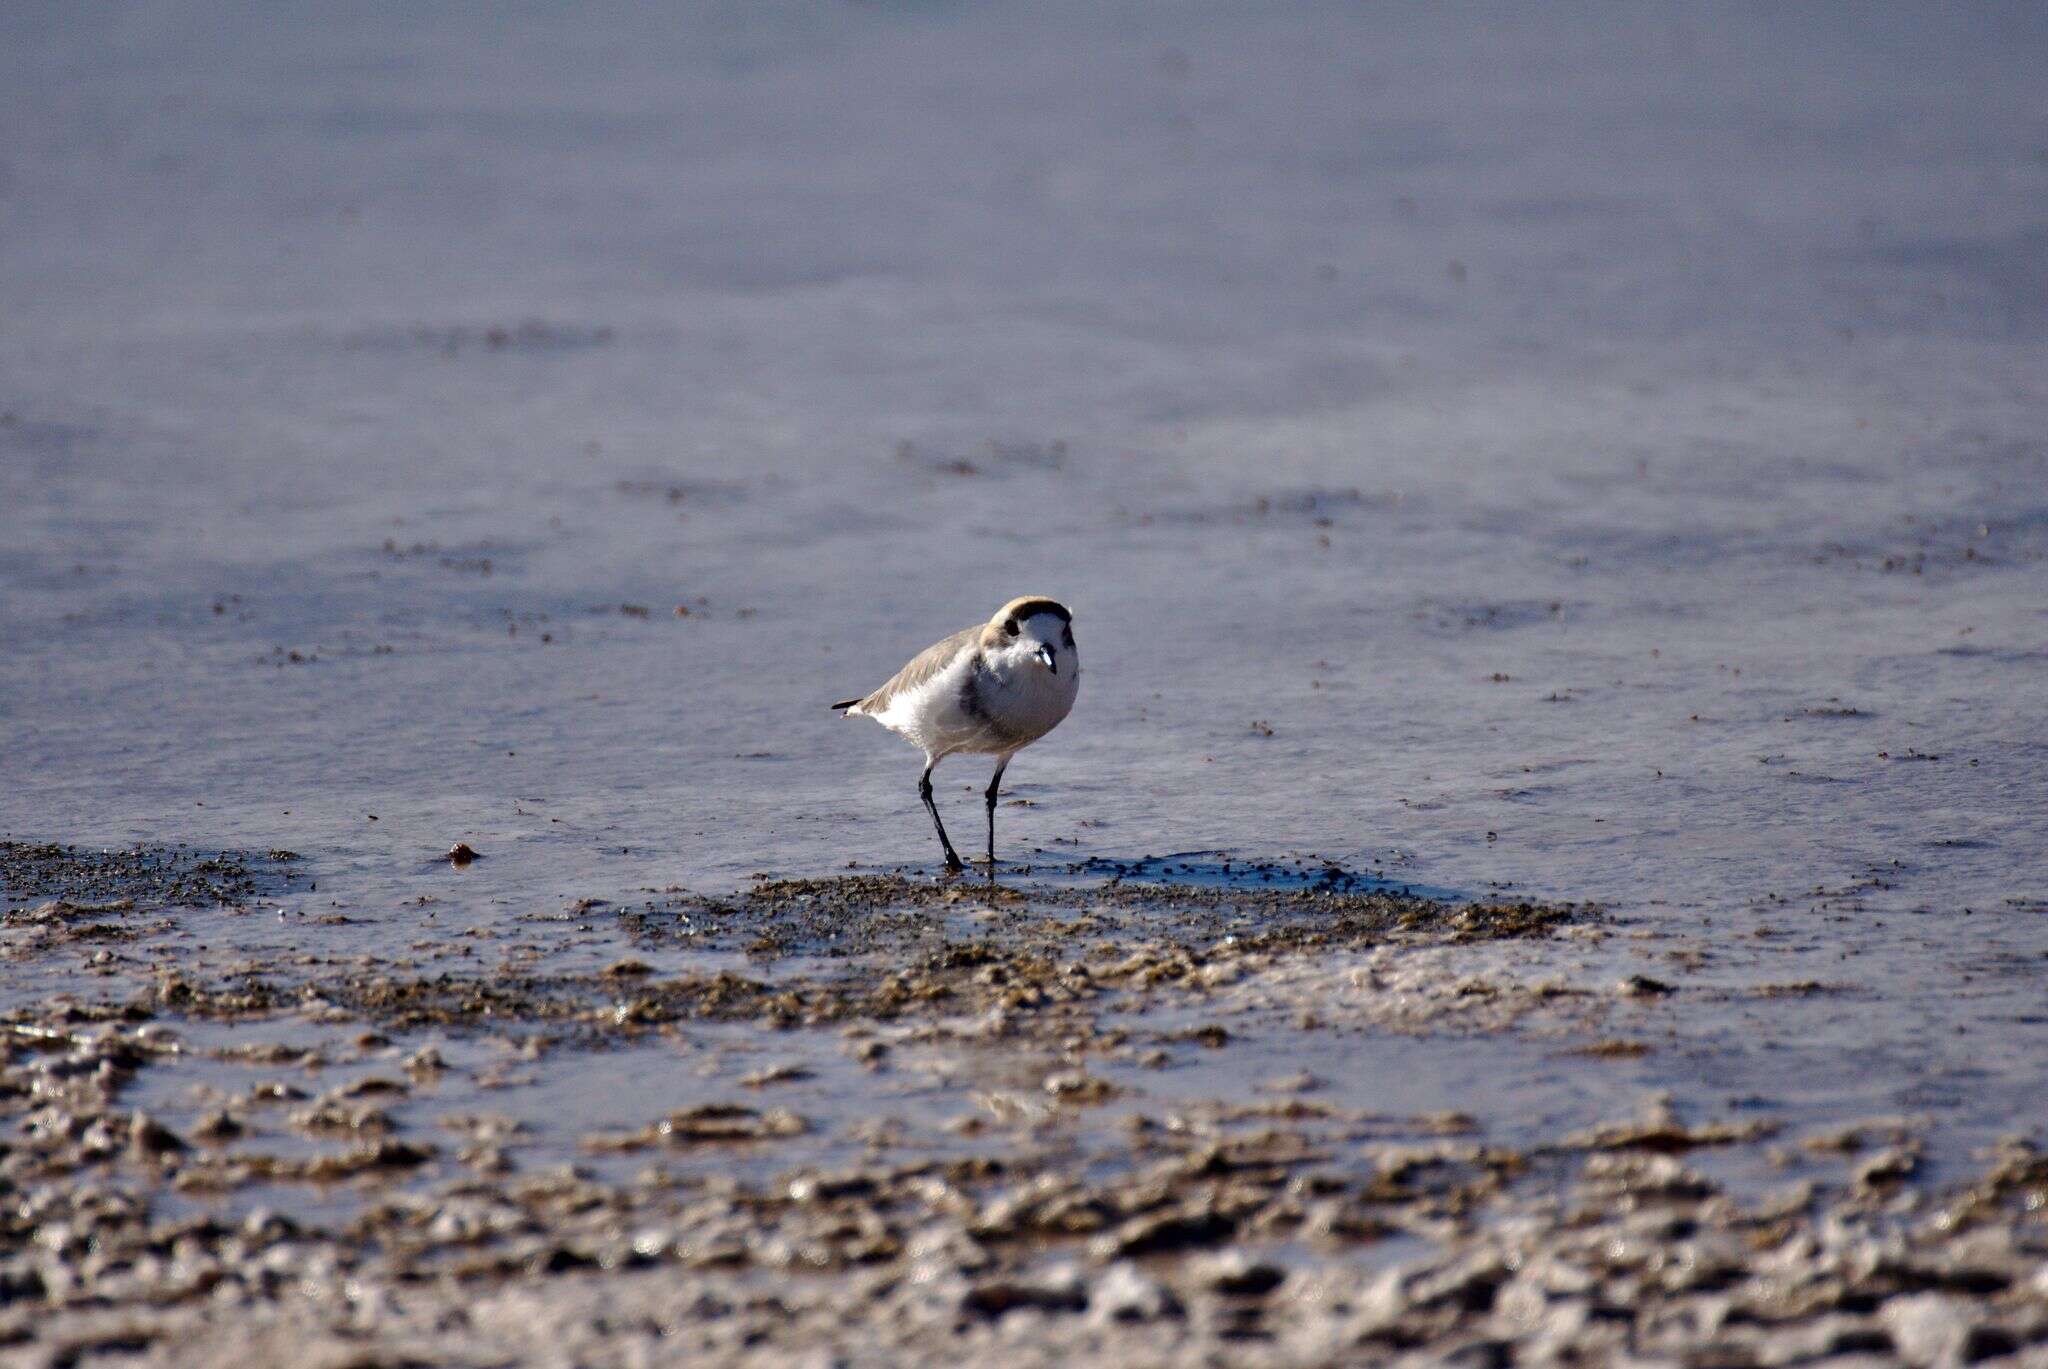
1023,701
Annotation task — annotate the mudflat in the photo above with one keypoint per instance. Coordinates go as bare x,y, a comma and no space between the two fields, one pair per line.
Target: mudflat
1548,854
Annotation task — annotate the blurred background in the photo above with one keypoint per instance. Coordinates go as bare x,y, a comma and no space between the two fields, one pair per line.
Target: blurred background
1598,451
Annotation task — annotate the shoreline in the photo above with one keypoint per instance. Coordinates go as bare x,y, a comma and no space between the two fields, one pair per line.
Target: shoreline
905,1121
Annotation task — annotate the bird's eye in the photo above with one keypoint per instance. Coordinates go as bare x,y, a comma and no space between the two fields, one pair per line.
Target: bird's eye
1067,636
1010,628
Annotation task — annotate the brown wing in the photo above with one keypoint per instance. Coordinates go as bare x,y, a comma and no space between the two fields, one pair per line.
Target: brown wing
922,667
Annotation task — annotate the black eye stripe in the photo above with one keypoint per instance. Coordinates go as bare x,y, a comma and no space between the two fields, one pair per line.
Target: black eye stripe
1014,626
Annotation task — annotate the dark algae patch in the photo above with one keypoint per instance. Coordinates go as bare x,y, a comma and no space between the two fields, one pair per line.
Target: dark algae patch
859,915
53,895
149,877
878,948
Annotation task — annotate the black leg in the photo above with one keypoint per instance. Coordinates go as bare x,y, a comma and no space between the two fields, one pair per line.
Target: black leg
924,791
995,784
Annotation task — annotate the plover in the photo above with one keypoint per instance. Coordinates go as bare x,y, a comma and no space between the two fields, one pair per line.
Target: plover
992,689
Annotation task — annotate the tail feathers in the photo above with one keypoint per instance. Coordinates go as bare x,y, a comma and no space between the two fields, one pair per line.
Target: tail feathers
847,703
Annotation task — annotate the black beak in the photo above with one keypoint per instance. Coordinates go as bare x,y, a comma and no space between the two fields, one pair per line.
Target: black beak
1044,653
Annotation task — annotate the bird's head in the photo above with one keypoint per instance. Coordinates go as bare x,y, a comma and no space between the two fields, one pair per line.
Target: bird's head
1035,629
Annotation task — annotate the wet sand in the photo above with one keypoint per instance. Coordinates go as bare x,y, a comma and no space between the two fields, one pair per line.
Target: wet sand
899,1120
1548,858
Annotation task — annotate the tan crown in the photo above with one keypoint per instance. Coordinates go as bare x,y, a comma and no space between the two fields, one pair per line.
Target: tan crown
1029,606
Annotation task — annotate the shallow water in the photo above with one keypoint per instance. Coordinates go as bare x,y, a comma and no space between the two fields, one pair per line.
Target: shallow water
1500,451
